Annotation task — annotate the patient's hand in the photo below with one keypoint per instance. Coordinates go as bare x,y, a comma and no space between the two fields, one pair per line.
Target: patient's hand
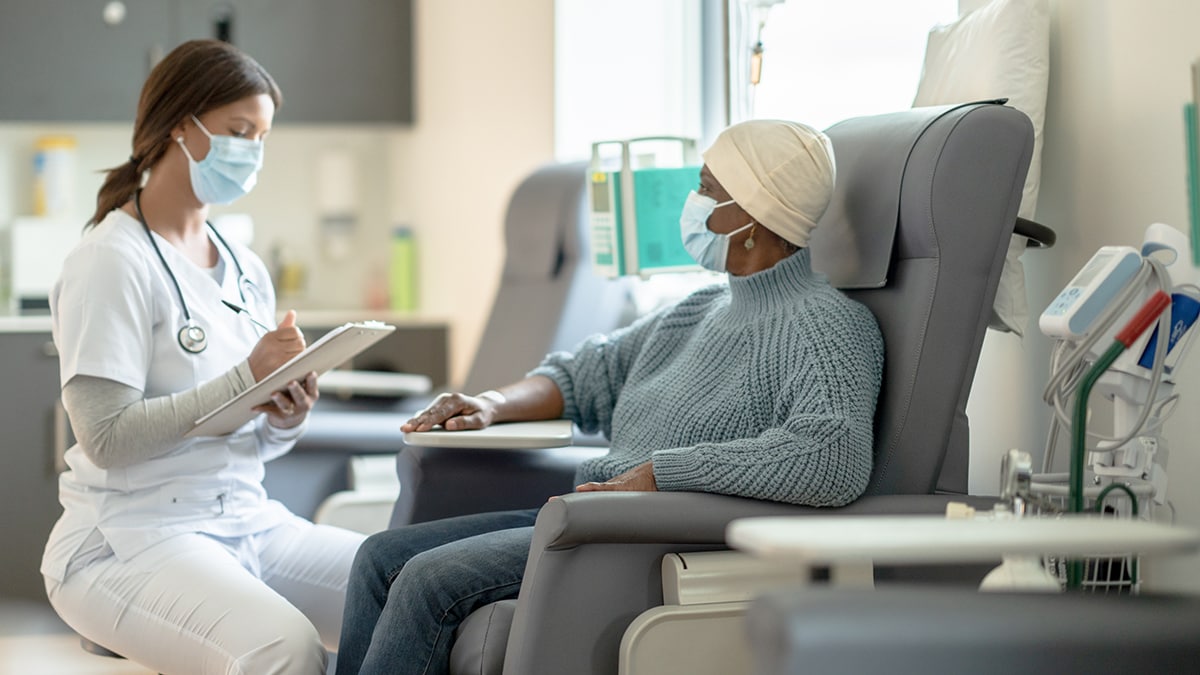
638,479
455,412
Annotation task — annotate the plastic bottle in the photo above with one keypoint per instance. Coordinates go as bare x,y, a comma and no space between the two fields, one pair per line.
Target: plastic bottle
288,274
54,176
376,291
402,272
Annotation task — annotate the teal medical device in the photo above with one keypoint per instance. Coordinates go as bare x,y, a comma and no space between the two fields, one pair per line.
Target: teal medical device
634,210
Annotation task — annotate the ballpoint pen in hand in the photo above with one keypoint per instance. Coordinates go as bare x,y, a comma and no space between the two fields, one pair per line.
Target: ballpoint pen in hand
242,310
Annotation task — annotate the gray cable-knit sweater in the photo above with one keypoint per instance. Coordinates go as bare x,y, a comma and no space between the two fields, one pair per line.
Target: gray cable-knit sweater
764,388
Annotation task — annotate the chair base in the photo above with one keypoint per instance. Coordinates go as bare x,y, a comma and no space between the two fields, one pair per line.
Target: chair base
98,650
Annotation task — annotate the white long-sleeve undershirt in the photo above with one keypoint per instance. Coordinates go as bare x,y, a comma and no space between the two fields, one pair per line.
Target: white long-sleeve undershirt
117,427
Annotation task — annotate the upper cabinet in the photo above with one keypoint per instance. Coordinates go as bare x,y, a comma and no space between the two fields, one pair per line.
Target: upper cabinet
336,61
61,61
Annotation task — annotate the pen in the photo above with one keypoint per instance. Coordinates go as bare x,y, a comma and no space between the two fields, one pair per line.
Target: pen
242,310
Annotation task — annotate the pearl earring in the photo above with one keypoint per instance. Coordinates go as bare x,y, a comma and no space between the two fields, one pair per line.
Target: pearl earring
749,243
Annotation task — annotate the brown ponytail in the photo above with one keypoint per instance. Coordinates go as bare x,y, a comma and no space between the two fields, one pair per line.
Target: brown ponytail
119,186
194,78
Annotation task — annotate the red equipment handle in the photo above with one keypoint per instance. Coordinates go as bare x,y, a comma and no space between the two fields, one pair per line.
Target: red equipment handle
1145,316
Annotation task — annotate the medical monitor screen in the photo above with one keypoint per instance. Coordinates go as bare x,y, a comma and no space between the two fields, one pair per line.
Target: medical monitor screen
600,198
1090,270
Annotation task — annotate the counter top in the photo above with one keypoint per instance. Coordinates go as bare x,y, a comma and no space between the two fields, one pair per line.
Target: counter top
25,324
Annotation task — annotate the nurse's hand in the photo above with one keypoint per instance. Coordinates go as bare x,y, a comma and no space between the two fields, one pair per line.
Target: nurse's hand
290,406
276,347
455,412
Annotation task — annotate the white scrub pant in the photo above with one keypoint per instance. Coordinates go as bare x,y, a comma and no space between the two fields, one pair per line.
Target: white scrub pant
258,605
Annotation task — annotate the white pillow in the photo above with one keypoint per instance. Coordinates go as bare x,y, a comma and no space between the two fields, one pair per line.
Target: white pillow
999,50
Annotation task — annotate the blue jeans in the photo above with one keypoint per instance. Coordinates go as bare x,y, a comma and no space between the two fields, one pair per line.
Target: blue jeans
411,587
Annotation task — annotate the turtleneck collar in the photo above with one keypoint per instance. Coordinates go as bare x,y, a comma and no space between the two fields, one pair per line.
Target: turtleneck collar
782,283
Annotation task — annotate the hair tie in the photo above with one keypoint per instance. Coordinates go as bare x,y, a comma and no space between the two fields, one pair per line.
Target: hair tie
134,160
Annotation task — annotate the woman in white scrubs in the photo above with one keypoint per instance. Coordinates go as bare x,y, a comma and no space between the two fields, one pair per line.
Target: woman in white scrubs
169,551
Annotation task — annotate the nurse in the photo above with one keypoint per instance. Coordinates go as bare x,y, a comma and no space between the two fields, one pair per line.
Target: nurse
169,551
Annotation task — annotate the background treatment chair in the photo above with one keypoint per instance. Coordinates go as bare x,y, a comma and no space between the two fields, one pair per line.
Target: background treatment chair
548,300
921,217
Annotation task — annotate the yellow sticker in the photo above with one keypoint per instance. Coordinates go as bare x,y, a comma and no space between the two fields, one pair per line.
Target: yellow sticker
599,177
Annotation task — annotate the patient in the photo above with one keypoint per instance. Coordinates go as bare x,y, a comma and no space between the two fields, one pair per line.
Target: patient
762,387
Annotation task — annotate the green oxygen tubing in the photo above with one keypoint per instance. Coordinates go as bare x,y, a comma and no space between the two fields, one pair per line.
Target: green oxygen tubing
1146,316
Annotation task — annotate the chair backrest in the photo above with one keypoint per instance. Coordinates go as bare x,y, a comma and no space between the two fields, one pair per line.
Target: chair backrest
549,299
922,213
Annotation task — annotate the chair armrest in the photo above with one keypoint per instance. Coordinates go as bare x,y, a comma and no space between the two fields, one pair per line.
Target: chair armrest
697,517
1039,235
595,564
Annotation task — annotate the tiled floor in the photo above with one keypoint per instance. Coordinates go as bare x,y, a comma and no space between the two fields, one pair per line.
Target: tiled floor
33,641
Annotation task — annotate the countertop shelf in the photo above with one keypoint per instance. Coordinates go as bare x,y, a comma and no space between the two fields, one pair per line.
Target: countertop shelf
25,324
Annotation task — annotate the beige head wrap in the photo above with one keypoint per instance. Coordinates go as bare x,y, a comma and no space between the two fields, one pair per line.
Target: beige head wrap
781,173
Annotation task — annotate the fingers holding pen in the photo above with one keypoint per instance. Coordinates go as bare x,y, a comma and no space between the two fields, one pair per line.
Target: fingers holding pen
288,334
276,347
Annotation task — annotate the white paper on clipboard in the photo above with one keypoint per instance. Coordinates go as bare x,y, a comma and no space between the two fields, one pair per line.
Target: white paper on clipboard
331,350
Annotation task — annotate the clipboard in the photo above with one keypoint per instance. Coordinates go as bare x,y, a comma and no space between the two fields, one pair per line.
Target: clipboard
331,350
506,435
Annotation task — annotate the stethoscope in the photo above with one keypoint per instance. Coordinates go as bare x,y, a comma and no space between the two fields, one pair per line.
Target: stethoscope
192,337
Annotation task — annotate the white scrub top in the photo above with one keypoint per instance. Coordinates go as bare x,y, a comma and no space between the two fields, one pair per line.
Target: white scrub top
116,315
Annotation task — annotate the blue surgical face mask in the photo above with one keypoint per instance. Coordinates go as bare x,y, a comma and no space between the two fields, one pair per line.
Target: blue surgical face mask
706,247
228,171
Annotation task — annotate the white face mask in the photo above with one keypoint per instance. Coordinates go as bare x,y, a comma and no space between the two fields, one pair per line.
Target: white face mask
228,171
709,249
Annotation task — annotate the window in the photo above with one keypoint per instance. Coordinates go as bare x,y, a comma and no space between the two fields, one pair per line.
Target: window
624,69
826,60
628,68
631,68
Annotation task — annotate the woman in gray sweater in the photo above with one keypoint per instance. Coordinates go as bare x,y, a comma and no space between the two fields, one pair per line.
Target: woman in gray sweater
764,387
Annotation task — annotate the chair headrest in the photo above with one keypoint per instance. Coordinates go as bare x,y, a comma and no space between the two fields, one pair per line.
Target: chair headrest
852,243
541,221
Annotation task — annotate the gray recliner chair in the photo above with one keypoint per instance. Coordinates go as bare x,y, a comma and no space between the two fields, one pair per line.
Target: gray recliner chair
923,210
548,300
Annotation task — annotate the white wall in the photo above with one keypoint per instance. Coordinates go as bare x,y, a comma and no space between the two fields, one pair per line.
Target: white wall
485,119
1113,163
606,91
284,205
